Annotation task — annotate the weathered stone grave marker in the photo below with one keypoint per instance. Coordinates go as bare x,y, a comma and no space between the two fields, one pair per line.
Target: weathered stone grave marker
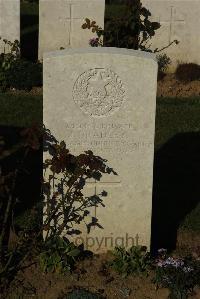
9,22
179,21
104,100
61,21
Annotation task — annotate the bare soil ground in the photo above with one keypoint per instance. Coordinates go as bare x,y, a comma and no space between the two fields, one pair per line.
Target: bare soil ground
94,275
169,86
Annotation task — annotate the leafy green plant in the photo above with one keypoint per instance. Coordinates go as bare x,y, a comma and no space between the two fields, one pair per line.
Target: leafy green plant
163,62
30,220
179,275
24,75
135,260
16,72
7,60
66,206
188,72
132,31
59,255
14,51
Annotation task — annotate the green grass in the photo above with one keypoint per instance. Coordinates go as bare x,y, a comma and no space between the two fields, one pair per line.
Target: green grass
176,115
20,110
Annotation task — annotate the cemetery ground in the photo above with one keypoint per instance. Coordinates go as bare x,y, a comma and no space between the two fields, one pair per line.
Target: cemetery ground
175,202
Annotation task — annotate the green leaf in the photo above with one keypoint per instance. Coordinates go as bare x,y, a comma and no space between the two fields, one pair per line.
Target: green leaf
155,25
84,26
74,252
145,12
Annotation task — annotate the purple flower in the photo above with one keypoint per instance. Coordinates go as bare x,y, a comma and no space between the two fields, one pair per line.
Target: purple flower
174,262
170,261
94,42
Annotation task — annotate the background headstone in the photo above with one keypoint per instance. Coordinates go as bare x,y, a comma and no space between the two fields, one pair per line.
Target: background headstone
60,23
180,20
104,100
9,21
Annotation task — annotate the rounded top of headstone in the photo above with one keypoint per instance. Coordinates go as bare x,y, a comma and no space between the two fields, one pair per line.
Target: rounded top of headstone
102,50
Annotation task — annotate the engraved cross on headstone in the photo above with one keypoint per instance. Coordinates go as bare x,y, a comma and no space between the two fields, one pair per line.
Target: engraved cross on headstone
71,18
172,21
105,184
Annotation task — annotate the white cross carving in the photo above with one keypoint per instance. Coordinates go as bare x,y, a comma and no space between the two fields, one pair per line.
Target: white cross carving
172,21
71,18
96,183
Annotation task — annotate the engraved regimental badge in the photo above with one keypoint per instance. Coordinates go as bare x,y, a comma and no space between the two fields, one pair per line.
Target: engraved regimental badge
98,92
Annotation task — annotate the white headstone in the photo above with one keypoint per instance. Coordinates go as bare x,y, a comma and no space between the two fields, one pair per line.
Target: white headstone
104,100
60,23
179,21
9,21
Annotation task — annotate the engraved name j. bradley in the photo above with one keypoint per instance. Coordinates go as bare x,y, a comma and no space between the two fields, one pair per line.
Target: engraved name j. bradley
98,92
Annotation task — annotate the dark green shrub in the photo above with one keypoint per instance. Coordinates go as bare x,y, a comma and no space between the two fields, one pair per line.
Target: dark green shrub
63,188
58,255
18,73
131,31
135,260
22,74
25,75
163,63
7,60
30,220
188,72
3,80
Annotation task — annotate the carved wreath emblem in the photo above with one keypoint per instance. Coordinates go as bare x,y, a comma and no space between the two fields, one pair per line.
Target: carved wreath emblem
98,92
